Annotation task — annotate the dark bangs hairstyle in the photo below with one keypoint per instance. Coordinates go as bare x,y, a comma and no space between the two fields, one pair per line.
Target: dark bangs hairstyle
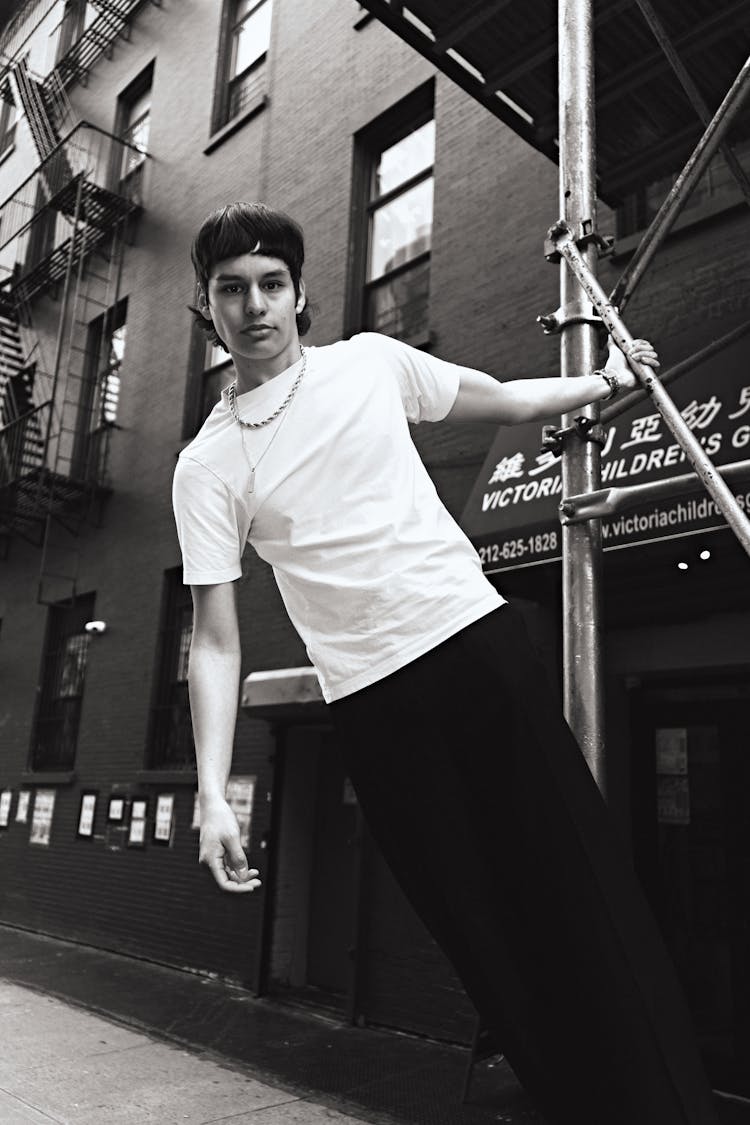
242,228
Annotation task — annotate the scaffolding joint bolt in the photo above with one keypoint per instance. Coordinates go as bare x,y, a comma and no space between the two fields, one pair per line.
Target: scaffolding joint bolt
552,440
590,430
553,323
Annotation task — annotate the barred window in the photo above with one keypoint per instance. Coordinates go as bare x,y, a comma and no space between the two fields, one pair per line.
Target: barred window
62,681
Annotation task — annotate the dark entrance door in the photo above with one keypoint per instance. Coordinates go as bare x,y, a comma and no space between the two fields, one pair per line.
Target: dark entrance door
317,866
691,809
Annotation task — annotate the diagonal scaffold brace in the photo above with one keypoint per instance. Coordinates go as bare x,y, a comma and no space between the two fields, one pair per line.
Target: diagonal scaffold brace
561,237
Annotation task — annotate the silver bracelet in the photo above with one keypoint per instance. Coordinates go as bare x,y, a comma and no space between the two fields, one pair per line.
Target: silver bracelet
612,382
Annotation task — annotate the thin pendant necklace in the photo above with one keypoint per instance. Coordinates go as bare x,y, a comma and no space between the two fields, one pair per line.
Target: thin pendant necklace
232,399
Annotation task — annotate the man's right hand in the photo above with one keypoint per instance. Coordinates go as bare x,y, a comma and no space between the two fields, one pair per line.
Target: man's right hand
221,850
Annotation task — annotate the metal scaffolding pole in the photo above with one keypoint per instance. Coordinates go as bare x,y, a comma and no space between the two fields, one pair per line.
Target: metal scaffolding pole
563,238
640,394
582,544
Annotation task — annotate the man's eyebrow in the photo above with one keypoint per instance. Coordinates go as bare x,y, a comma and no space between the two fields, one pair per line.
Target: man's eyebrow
281,272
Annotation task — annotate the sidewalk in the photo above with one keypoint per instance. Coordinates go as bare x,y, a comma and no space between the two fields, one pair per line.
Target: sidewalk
95,1038
63,1064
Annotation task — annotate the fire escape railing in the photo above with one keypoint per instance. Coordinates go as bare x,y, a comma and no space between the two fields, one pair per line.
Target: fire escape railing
85,49
38,219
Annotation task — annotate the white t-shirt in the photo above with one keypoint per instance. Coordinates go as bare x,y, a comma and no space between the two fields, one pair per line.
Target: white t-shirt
372,569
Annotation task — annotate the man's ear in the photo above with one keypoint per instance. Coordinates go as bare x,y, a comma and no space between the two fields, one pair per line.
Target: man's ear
301,299
202,302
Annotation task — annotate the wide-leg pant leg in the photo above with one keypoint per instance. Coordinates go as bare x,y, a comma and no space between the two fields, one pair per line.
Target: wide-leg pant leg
483,806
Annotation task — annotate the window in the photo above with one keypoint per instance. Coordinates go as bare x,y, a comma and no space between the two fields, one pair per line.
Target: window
171,742
100,389
210,371
716,188
77,16
63,676
133,123
247,38
9,115
396,179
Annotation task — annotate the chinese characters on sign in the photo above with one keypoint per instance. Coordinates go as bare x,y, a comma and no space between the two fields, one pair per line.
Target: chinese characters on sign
512,512
5,799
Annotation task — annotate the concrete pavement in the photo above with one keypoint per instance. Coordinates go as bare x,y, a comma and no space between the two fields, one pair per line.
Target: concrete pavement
65,1065
90,1037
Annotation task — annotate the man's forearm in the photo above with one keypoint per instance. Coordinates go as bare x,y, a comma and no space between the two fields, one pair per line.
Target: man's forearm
484,399
213,679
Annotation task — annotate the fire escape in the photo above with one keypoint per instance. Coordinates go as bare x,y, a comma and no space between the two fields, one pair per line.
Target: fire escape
62,235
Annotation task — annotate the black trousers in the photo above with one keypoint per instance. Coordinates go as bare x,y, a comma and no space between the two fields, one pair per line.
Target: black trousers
482,804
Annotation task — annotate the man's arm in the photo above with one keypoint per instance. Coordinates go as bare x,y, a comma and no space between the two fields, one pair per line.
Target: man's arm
213,678
481,398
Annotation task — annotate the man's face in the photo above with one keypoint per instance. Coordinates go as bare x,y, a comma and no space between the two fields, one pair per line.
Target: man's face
253,305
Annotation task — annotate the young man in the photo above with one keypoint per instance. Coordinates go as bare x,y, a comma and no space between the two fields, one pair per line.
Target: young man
469,779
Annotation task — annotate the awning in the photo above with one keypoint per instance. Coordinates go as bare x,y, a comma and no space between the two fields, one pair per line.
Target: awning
504,53
512,512
282,694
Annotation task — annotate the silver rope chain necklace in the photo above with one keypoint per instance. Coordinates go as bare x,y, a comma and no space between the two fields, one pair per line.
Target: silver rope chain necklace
232,398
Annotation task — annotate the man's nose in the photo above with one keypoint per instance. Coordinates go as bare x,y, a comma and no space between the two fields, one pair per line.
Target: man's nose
255,303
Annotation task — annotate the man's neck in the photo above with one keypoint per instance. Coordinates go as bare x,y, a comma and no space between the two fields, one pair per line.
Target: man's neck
252,373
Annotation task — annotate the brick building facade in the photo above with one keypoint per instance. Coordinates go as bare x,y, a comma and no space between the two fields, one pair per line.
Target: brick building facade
209,103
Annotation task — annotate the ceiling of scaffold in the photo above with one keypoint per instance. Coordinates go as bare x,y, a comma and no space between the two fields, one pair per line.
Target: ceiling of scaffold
504,53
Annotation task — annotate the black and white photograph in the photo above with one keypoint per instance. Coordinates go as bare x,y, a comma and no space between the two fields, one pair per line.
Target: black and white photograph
375,562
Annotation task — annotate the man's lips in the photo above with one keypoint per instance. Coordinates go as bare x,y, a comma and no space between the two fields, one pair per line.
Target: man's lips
253,328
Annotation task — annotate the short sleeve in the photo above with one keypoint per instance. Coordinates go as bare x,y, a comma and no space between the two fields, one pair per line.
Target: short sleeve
428,385
212,525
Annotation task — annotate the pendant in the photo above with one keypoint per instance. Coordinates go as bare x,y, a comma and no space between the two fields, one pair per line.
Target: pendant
251,480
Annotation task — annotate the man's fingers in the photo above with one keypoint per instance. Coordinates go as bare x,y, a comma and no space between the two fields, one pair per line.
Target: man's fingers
229,883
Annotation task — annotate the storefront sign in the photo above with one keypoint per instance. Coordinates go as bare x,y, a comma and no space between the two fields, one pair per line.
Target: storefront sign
5,800
41,817
512,512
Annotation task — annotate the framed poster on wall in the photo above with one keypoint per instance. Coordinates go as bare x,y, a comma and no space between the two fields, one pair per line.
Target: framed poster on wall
86,815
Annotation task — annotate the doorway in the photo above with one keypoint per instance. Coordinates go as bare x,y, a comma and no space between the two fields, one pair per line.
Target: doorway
691,838
317,864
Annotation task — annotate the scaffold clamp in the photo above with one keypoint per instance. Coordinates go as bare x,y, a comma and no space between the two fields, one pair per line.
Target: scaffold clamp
562,231
573,313
590,429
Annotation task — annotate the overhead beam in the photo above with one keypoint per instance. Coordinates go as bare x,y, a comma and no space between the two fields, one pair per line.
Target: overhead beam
694,95
543,49
454,30
410,34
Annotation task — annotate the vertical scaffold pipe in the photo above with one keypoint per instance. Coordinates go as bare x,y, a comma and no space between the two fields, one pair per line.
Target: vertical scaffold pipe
581,470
